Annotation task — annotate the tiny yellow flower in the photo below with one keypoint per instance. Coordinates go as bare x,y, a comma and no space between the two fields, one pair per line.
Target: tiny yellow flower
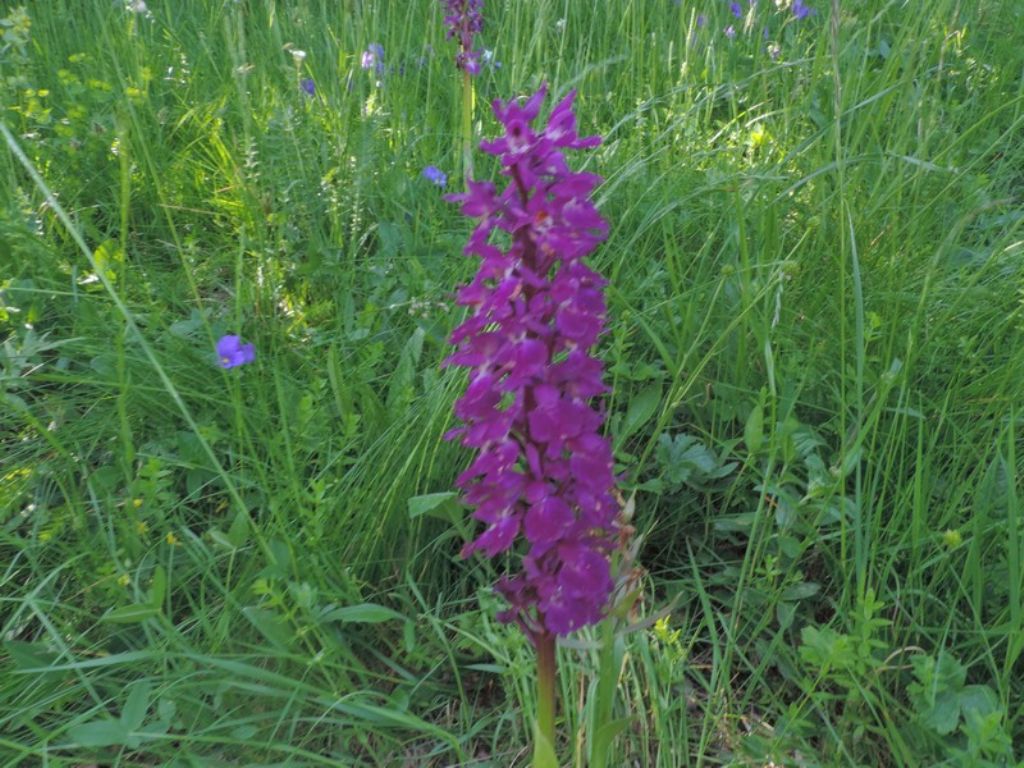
171,539
136,503
952,538
758,136
124,579
142,528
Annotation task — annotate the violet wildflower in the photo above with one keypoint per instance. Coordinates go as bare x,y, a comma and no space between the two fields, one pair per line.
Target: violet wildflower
308,86
373,58
543,471
231,351
801,11
702,20
464,20
730,32
736,10
435,175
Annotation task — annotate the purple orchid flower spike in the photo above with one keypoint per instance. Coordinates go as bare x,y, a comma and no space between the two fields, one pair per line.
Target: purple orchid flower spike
542,479
464,20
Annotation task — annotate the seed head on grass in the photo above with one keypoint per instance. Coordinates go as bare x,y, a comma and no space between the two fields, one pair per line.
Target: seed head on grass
543,470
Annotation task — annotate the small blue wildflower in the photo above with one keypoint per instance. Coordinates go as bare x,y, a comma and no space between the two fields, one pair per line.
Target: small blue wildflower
435,175
701,20
800,10
231,351
736,10
308,86
373,57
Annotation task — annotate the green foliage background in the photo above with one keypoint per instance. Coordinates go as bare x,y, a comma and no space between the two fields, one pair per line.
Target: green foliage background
815,353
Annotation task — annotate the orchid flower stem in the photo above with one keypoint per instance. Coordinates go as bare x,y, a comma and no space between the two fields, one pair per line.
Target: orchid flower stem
547,676
467,125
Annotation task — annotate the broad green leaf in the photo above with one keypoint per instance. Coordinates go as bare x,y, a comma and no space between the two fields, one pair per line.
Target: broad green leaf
364,613
784,613
29,655
158,587
800,591
269,625
431,504
606,734
221,539
543,752
100,733
108,257
135,706
131,614
753,430
640,410
238,533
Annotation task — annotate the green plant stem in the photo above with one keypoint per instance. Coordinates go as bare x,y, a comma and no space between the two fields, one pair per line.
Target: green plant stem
547,674
467,125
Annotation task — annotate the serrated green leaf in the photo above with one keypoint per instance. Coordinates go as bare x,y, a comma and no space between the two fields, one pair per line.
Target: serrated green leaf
978,699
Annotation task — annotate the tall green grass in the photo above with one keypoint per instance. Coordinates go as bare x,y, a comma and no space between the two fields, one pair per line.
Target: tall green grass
815,352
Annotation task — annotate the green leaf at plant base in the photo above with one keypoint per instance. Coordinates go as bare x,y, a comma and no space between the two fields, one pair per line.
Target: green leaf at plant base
543,752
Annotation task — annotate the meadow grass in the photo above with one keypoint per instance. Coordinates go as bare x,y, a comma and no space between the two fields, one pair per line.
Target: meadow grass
815,355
